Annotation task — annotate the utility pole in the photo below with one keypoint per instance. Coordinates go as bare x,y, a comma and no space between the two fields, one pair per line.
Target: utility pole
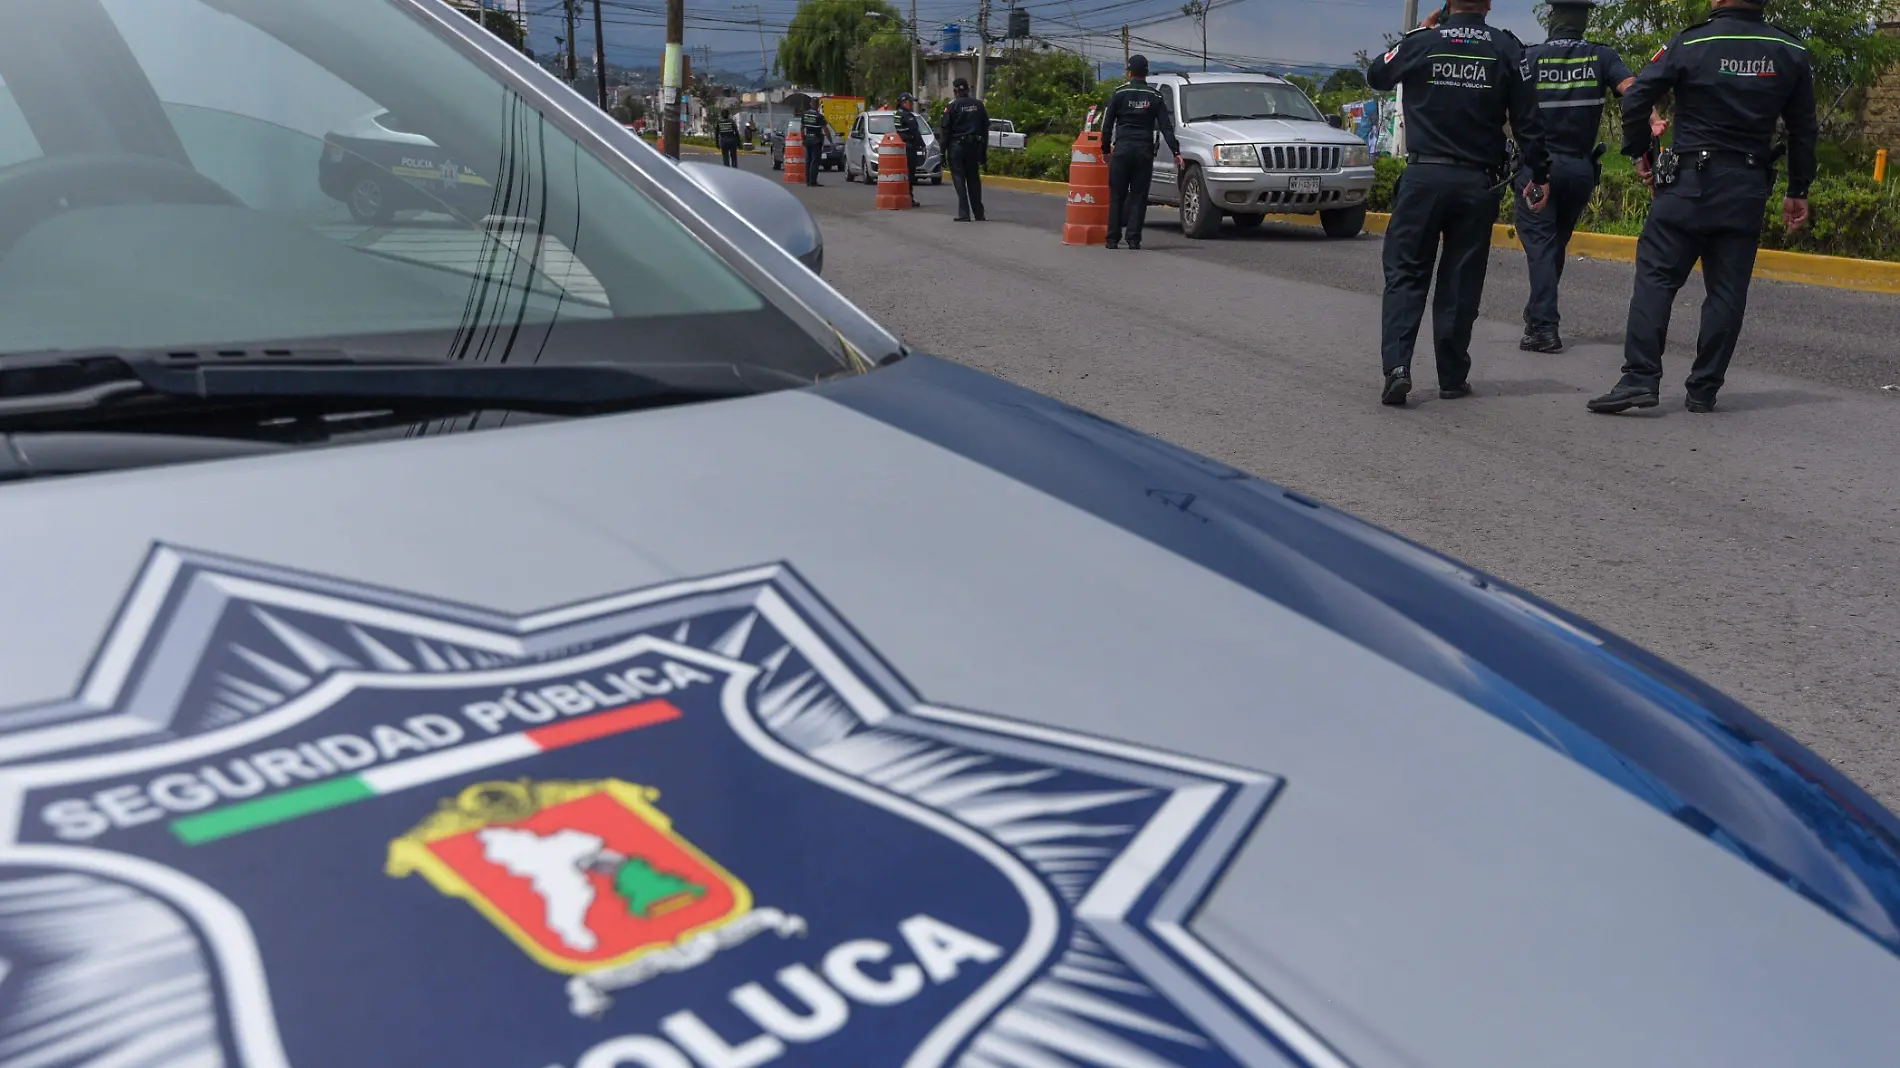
1124,48
1197,9
600,57
758,17
670,81
1411,15
982,43
916,86
573,75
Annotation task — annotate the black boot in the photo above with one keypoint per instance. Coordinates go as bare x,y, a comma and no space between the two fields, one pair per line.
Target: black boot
1398,383
1541,339
1622,399
1454,391
1701,405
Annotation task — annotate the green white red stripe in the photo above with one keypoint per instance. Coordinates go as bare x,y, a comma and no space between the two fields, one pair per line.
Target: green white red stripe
417,771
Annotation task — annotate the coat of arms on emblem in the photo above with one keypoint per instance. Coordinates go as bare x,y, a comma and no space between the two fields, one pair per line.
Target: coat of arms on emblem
581,875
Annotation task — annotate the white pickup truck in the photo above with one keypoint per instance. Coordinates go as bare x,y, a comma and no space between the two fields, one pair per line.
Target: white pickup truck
1003,135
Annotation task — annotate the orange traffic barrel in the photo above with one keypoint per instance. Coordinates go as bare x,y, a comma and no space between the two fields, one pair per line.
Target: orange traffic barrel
893,173
795,158
1087,220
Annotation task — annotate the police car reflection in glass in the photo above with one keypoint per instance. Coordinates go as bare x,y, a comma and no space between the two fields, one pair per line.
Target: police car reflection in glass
1732,76
1463,79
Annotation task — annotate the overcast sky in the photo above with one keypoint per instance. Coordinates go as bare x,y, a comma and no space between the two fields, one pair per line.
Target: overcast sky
1272,32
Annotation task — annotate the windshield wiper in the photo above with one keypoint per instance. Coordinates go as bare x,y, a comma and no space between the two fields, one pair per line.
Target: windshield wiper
1222,116
287,394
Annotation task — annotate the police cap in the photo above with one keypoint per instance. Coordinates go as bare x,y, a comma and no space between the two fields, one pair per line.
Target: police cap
960,84
1138,65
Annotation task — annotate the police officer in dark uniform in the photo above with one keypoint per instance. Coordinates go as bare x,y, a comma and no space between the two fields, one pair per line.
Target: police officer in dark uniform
1134,113
726,132
1463,78
911,132
1573,76
965,134
812,127
1732,76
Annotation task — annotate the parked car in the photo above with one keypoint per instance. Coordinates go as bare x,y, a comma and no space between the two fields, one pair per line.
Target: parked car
377,166
860,151
1256,145
831,158
591,640
1003,135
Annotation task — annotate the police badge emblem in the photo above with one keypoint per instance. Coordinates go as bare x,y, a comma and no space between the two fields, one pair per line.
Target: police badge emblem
290,820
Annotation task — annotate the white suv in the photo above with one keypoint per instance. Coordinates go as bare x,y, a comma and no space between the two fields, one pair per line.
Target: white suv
1255,145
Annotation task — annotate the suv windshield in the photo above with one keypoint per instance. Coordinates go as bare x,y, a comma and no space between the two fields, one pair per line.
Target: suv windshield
1246,100
230,173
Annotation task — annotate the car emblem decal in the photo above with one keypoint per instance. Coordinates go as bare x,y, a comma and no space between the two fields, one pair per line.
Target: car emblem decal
291,820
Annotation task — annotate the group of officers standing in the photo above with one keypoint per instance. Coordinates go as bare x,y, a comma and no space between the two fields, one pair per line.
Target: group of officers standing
1732,77
963,134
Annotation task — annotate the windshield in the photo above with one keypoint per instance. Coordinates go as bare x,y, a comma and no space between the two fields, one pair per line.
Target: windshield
1246,100
211,173
880,124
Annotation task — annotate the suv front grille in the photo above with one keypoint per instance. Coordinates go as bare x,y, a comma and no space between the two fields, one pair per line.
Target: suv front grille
1300,157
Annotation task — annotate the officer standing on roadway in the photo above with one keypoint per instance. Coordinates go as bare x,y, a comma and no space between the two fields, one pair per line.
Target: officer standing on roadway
911,132
727,134
812,126
1463,78
965,134
1572,77
1732,76
1134,113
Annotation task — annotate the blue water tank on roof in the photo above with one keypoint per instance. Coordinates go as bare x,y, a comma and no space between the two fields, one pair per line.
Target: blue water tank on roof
951,39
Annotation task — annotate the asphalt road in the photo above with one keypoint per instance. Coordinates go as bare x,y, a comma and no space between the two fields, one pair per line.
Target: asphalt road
1758,547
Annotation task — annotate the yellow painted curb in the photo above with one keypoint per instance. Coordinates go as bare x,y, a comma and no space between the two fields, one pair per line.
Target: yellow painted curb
1807,268
1027,185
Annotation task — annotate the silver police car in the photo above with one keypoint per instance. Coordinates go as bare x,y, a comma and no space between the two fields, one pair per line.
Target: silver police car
578,636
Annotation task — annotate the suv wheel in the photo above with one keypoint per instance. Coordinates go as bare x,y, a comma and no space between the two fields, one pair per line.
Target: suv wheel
1200,219
1248,221
1343,222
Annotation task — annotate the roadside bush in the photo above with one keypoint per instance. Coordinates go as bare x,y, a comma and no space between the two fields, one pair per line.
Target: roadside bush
1045,156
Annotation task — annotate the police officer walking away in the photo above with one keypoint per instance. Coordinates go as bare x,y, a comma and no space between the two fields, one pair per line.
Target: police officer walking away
1732,76
812,126
727,134
1134,113
1572,77
1463,78
911,132
965,133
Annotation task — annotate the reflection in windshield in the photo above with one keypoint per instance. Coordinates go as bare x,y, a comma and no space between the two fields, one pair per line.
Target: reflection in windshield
332,170
1247,100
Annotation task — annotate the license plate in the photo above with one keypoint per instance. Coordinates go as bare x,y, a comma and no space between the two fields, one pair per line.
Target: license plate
1304,185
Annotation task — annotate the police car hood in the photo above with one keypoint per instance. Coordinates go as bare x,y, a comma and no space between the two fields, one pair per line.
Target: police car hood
1273,131
1362,843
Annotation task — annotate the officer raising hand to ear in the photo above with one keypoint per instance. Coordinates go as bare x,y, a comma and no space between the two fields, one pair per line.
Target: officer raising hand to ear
1463,80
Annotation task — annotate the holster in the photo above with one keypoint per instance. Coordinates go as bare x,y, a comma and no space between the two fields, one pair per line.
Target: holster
1668,168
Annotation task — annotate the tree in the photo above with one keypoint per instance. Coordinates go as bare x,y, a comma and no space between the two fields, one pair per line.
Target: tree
630,110
499,23
817,47
1348,80
1844,43
1045,91
880,64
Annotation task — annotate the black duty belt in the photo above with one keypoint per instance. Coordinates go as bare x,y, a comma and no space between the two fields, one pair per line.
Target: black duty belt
1443,161
1699,159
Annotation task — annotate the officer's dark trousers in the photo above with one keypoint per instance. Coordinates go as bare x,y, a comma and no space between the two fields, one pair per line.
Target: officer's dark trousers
1458,206
729,155
1714,215
1546,234
1130,172
814,153
966,173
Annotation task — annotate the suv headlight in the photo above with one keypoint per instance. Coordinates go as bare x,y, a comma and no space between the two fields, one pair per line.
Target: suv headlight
1358,156
1236,156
